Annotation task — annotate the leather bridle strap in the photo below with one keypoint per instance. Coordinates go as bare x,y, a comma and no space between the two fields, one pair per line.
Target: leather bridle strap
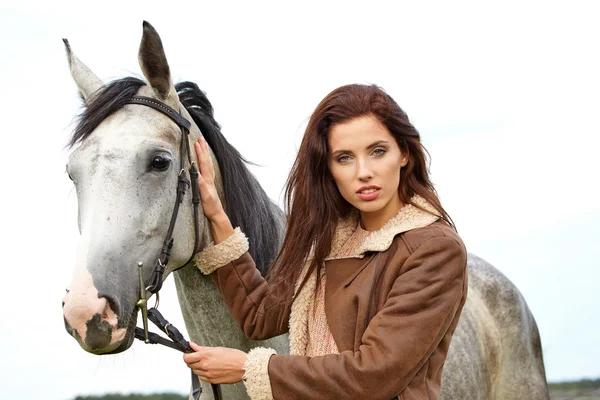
177,341
163,108
156,279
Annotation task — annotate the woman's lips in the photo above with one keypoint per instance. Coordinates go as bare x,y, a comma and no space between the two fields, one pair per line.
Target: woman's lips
369,196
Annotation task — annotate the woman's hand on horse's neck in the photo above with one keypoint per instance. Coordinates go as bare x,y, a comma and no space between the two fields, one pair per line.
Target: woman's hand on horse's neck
211,204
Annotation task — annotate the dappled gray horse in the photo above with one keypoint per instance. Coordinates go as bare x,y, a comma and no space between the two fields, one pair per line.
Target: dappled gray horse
125,168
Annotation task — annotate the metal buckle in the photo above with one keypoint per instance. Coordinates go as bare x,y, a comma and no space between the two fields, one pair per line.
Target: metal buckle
142,303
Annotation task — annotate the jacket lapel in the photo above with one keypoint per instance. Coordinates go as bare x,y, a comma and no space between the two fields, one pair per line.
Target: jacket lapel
341,319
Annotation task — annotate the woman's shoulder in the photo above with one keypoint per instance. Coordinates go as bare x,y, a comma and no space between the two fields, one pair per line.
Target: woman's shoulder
439,231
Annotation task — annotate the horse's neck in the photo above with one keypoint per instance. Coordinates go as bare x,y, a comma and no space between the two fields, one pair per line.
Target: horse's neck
203,310
206,316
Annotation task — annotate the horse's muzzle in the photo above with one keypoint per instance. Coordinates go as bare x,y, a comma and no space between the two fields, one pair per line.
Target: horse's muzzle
93,323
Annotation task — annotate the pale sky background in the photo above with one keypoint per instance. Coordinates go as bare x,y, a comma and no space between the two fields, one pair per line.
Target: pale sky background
505,95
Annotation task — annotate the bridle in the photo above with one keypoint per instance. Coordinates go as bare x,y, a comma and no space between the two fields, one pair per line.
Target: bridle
177,341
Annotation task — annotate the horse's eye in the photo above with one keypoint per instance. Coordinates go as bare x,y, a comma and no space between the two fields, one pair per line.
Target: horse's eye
160,163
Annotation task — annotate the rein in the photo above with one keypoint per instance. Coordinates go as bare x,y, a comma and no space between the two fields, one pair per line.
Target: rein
176,340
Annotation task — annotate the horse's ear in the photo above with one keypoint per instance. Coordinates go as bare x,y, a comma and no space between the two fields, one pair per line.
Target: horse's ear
153,62
87,82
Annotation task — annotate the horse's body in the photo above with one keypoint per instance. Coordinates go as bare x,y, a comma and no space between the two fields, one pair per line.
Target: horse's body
126,196
495,351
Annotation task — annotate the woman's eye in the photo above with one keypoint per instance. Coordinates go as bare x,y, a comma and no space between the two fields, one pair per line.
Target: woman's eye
343,159
160,163
379,152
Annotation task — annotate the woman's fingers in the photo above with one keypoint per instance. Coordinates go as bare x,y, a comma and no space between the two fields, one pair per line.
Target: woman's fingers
191,359
205,188
197,362
216,364
211,204
211,168
205,164
195,347
200,158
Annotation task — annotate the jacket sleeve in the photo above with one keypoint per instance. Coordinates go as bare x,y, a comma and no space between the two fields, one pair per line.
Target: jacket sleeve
423,301
259,309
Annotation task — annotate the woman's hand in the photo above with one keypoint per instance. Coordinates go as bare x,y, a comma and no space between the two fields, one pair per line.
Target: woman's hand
216,364
211,204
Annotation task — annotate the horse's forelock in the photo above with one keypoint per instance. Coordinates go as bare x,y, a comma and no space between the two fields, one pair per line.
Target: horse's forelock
108,100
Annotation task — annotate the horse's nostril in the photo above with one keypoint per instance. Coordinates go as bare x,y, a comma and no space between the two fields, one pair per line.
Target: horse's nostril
68,327
111,305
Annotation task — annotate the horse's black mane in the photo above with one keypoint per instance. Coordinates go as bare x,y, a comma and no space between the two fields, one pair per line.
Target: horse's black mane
247,204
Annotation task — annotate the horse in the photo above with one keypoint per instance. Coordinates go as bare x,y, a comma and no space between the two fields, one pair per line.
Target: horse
123,166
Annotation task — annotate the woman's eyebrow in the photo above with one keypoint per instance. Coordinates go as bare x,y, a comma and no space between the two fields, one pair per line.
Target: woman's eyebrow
377,143
374,144
335,153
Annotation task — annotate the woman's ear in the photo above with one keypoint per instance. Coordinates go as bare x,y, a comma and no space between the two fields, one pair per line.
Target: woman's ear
404,159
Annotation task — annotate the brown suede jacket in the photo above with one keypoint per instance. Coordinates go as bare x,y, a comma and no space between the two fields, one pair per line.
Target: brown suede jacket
412,270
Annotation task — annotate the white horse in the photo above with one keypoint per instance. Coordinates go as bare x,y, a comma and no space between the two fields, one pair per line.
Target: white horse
125,171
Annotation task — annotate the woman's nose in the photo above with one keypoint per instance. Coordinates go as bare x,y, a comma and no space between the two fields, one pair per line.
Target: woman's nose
365,172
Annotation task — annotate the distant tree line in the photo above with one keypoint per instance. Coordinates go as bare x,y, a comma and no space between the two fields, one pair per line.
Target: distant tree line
581,384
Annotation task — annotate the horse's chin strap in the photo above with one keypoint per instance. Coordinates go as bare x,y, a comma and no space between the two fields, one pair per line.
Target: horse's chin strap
177,340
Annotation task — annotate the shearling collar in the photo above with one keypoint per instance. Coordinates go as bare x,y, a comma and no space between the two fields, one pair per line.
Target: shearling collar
409,217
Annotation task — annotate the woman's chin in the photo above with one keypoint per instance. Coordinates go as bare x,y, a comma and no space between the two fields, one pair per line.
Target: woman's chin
369,207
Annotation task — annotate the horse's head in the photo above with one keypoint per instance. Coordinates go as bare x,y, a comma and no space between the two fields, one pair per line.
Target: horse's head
125,169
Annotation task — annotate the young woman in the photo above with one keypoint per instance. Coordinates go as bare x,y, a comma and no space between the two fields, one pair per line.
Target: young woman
371,277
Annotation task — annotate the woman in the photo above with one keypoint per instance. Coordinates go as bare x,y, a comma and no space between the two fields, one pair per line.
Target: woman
371,277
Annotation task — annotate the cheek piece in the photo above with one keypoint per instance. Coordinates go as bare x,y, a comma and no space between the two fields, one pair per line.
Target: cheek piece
176,340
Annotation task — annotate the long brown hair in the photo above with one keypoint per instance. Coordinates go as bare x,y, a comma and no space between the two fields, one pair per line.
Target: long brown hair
314,205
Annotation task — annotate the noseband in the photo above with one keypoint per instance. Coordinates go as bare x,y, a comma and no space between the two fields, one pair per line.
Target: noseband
177,341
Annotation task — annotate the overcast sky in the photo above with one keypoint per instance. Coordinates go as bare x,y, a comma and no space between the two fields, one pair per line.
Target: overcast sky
505,96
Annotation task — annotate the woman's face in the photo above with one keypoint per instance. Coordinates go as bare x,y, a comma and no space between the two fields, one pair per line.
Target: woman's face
365,162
